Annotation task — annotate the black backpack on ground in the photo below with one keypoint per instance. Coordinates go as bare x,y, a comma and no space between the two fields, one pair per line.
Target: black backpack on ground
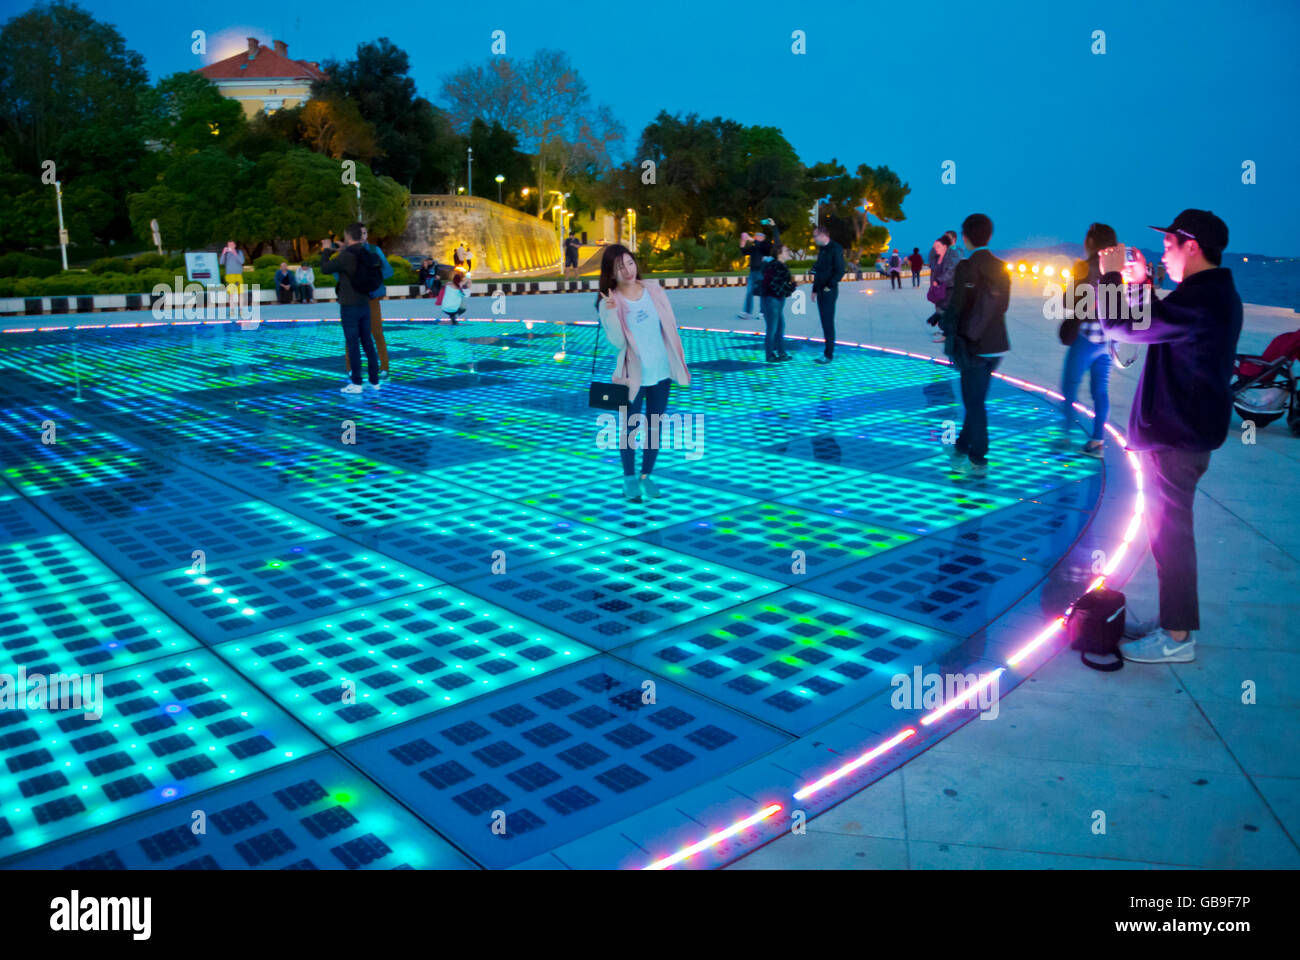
777,280
1096,626
368,275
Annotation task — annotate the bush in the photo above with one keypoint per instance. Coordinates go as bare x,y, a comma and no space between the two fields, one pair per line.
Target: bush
110,265
26,265
399,263
268,260
146,261
175,262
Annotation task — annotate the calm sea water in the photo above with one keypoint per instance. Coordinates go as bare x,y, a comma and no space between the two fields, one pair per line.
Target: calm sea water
1274,283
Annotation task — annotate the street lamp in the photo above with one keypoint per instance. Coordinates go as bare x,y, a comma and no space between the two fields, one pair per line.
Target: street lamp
469,166
500,180
63,234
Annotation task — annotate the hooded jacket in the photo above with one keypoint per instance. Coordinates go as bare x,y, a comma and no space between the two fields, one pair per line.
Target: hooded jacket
627,366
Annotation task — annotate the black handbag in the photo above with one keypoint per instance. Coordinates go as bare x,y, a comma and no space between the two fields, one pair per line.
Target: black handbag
604,396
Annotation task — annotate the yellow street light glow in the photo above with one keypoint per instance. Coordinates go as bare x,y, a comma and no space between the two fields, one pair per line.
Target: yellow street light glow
1010,267
1066,274
1049,270
1034,269
1022,268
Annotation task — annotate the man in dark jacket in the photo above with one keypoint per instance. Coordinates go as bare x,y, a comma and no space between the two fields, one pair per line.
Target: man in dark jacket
354,306
1182,409
757,248
974,323
827,272
284,285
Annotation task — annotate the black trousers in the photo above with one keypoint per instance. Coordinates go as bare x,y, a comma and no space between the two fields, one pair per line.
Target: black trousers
356,329
975,380
1171,478
826,310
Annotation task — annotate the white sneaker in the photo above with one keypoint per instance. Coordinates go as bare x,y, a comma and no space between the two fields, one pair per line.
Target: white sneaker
1157,647
374,386
351,388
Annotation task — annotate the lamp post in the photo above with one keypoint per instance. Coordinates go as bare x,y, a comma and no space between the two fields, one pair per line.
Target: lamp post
500,180
63,234
469,167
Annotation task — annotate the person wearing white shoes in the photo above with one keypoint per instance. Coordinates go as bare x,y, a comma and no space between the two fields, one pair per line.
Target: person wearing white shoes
1182,410
358,273
638,321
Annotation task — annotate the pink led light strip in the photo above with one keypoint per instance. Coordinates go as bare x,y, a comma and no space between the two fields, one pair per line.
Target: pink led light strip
1015,659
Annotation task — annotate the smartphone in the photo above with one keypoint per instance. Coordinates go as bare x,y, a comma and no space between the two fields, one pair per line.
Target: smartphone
1128,254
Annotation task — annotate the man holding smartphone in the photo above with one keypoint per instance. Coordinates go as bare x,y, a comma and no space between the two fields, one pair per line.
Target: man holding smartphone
1182,408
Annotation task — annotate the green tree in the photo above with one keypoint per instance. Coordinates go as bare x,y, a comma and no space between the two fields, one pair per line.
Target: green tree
496,152
68,94
415,140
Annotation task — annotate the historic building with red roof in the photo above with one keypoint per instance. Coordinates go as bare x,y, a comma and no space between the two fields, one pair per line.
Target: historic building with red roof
263,78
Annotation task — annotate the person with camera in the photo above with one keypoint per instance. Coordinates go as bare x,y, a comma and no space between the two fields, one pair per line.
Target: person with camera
358,274
757,247
1182,409
1088,351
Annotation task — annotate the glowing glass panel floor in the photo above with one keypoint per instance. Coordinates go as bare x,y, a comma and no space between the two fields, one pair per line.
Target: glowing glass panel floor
424,629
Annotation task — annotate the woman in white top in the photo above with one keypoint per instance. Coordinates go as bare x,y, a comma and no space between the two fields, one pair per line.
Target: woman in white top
638,321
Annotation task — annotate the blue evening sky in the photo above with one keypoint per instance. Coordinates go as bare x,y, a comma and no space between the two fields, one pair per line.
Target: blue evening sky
1046,136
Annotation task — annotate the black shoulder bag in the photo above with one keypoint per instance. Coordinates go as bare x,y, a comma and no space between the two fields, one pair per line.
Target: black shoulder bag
604,396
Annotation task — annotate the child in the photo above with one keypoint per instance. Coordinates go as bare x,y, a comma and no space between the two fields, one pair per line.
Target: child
454,294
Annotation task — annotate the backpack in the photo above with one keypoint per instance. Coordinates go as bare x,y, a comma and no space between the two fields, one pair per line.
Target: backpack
1096,626
368,275
777,280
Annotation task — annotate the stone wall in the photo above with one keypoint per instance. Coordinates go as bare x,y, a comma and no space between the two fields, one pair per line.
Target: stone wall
502,239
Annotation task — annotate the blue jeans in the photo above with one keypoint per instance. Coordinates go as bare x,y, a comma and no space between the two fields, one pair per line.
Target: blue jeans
356,328
975,380
655,397
1095,358
751,289
774,324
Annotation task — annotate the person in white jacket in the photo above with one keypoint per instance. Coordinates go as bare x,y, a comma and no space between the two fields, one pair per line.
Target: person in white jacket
638,321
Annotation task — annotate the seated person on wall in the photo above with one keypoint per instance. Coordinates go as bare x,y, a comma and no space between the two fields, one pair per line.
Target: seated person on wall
284,284
305,289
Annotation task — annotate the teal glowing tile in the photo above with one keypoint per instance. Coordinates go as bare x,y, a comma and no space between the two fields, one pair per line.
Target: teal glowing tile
178,541
125,502
19,520
98,628
794,659
42,475
904,504
376,666
1011,474
362,509
250,594
610,596
779,541
942,585
168,730
755,472
318,814
603,504
535,472
533,767
47,564
490,538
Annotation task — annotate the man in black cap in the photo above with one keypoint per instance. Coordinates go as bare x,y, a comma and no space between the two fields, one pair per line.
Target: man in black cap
1182,409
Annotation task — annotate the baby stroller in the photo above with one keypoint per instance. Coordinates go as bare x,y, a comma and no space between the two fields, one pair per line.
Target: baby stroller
1266,387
